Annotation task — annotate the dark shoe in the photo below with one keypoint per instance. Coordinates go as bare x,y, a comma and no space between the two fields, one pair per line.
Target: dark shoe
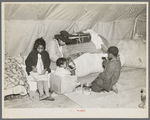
37,90
50,99
43,97
50,91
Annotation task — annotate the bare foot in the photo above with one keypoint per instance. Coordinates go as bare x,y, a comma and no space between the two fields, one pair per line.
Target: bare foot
142,105
114,88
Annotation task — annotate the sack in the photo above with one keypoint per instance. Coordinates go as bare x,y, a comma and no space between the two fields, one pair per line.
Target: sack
134,52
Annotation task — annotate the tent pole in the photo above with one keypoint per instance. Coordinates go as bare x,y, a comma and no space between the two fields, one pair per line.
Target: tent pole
135,24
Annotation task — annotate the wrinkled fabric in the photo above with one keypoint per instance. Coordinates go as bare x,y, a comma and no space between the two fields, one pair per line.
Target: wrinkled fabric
14,74
24,23
54,50
134,52
88,63
95,38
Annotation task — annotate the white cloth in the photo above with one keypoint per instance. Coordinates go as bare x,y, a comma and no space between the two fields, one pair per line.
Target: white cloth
62,72
95,38
39,66
60,48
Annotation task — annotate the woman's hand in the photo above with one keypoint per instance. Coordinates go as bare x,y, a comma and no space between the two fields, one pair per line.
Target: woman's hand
34,69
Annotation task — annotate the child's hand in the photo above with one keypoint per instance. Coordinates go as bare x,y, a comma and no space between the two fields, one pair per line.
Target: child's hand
72,65
43,72
34,69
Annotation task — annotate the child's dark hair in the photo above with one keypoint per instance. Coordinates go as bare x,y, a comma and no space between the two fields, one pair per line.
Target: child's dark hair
61,61
113,50
39,41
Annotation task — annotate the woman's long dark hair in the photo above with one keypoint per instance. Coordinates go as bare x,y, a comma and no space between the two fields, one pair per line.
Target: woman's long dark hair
39,41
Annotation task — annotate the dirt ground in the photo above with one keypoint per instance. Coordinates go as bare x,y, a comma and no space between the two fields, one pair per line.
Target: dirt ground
129,85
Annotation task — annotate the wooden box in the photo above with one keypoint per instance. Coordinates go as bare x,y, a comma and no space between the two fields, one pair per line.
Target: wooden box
62,84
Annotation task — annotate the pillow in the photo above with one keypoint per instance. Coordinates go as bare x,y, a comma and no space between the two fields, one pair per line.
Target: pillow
19,59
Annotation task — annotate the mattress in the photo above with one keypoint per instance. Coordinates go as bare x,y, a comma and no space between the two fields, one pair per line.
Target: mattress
15,90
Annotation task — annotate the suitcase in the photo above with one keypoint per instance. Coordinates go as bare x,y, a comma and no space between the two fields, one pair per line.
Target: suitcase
79,38
73,39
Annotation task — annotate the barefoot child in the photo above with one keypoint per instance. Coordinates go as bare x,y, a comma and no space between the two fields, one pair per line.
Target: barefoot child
108,78
37,64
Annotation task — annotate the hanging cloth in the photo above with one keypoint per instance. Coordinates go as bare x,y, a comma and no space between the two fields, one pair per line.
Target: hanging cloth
60,48
95,38
39,66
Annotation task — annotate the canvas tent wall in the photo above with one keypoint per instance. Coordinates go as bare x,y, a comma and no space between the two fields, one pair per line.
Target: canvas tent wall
24,23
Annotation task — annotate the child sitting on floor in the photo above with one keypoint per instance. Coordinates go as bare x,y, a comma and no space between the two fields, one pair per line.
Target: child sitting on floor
61,69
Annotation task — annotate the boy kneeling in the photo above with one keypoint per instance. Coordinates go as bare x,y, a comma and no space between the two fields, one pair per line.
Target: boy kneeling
108,78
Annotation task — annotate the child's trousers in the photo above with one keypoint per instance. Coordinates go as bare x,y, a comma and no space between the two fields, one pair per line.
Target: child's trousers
43,86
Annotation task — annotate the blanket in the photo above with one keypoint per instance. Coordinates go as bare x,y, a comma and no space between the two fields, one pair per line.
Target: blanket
134,52
14,74
99,41
88,63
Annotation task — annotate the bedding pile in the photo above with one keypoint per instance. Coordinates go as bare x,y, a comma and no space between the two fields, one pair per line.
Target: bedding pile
134,52
14,74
